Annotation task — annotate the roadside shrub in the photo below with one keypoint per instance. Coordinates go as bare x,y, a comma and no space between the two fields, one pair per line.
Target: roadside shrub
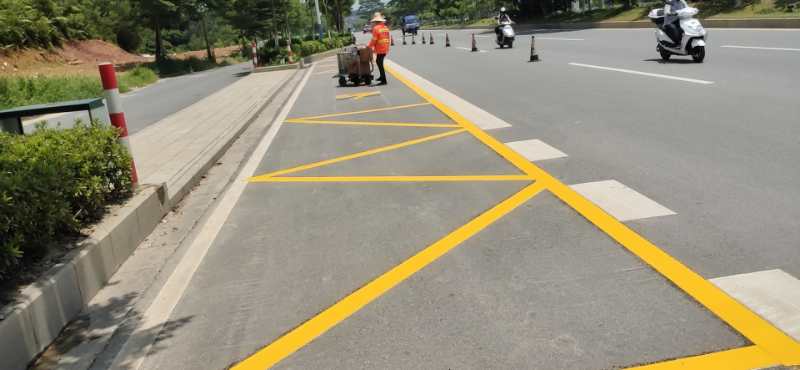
174,67
128,39
55,182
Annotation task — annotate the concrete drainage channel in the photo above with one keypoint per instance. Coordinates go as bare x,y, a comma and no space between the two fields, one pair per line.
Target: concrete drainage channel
47,306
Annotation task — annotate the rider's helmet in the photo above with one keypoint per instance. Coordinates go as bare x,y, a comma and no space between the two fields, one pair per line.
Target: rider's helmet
502,9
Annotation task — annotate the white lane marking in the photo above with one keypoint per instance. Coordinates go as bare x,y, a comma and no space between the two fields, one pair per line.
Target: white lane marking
657,75
535,150
468,49
758,48
620,201
772,294
136,348
559,39
480,117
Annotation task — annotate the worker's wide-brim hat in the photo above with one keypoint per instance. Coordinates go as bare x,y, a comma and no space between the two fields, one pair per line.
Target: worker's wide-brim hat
377,17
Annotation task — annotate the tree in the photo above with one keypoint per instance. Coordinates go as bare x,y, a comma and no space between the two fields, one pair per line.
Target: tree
158,15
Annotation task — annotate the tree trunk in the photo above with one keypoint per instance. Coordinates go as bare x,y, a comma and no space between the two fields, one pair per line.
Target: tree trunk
209,52
159,46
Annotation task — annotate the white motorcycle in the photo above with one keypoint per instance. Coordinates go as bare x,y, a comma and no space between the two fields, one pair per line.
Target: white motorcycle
506,35
693,35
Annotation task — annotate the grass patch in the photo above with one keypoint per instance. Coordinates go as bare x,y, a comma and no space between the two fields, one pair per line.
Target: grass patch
755,10
18,91
135,78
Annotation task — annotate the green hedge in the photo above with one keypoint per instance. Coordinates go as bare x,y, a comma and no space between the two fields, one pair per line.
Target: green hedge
53,183
271,55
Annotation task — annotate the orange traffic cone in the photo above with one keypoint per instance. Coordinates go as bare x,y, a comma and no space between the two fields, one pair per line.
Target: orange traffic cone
446,40
474,45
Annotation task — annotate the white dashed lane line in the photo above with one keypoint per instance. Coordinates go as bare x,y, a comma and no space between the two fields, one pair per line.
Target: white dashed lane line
772,294
620,201
535,150
759,48
656,75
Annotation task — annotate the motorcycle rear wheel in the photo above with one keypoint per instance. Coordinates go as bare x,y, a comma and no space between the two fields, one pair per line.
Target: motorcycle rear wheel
664,54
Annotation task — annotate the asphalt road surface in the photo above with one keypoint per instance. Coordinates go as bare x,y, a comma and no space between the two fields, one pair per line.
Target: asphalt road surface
152,103
598,209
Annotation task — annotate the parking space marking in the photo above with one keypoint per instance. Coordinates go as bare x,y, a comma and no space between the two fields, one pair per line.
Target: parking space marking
744,358
383,109
449,178
656,75
758,48
454,103
358,155
357,96
759,331
333,315
535,150
773,294
136,348
621,201
369,123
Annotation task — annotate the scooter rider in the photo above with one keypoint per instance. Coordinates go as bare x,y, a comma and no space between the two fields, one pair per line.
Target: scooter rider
671,27
501,18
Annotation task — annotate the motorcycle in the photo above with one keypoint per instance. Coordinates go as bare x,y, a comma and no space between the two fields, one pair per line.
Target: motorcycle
505,37
693,35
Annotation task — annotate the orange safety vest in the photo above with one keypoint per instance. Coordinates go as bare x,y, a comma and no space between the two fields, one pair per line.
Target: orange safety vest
380,39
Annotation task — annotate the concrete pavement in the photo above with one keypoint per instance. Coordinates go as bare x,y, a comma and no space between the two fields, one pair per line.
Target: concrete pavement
614,219
150,104
374,235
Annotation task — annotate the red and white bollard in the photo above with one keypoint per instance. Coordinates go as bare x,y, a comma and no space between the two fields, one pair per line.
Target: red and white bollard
255,55
111,92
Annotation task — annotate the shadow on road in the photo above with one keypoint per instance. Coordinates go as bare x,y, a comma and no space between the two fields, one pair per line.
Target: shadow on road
671,61
89,336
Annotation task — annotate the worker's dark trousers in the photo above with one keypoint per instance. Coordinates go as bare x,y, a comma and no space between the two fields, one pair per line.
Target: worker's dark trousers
379,60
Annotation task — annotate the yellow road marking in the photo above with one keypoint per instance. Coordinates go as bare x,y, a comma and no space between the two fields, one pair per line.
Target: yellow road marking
396,107
756,329
357,96
745,358
394,178
369,123
358,155
324,321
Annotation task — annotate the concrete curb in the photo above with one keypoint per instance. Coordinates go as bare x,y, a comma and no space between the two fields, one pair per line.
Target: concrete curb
190,179
48,305
708,23
306,60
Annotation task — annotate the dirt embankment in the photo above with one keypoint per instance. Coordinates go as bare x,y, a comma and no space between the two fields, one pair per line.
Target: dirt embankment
73,57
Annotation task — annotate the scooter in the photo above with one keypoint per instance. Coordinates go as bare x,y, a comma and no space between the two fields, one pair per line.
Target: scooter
693,35
506,35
